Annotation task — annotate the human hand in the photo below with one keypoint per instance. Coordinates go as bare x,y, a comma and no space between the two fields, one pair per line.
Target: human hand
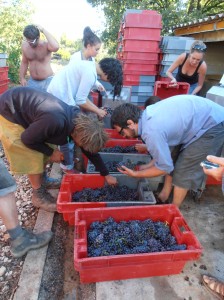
101,113
57,156
141,148
173,83
23,82
127,171
111,180
41,28
216,173
101,88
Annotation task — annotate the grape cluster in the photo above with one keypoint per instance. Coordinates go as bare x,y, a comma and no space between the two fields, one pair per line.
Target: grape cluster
130,237
113,165
109,110
106,194
119,149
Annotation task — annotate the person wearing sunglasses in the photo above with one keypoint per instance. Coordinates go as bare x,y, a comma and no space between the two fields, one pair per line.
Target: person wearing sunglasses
36,55
191,68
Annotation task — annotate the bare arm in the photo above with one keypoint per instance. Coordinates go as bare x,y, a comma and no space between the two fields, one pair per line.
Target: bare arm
201,78
23,69
52,44
175,65
149,172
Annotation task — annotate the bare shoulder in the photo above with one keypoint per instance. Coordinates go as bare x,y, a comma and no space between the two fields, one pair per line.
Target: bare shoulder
203,67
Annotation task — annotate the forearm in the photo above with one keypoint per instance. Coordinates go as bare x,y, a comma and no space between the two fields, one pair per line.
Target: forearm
89,106
149,172
197,89
22,71
53,44
170,75
96,159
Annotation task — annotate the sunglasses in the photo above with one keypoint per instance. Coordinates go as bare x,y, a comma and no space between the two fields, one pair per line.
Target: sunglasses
121,132
199,48
31,42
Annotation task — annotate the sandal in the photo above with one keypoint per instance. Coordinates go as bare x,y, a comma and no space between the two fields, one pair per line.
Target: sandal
218,286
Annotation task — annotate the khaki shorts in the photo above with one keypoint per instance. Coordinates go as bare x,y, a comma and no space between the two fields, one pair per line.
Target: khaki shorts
22,160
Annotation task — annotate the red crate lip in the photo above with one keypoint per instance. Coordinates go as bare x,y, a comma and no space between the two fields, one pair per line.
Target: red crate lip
151,20
132,33
122,143
140,62
117,267
143,73
140,67
140,46
163,89
139,55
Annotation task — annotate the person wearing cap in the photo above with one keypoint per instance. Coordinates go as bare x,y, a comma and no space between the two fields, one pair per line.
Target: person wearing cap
36,55
191,68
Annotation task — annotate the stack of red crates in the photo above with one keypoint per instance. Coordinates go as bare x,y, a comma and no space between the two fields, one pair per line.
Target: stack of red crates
4,81
138,50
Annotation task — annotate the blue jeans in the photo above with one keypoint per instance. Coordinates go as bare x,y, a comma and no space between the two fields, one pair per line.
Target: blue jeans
7,182
68,152
40,85
192,87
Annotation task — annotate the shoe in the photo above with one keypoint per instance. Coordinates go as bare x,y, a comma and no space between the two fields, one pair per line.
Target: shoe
218,286
72,171
28,240
51,183
43,199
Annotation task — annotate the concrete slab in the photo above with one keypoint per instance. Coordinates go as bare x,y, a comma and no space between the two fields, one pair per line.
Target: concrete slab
30,278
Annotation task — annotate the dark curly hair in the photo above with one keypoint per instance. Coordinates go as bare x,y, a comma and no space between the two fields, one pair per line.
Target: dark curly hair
113,69
90,38
31,32
125,112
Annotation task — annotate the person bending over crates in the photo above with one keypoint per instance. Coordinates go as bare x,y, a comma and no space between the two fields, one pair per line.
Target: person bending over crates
192,125
32,123
191,68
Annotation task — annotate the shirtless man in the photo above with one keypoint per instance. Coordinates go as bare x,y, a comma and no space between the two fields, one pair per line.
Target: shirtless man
36,54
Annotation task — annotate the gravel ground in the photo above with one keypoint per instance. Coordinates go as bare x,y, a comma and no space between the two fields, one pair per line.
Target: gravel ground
10,268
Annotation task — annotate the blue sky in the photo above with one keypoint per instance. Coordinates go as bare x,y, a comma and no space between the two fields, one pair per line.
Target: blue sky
67,16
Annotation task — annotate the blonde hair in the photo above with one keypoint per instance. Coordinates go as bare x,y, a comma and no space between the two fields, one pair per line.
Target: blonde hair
90,132
198,46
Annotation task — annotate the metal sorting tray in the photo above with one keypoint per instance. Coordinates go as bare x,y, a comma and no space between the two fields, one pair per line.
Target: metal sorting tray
118,157
145,194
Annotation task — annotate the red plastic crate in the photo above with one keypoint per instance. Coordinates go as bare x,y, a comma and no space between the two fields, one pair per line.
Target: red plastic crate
151,19
4,73
122,142
163,89
144,67
72,183
4,85
119,267
148,34
140,46
139,55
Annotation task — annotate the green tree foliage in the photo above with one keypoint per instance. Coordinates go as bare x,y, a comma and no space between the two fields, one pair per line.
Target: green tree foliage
14,16
174,12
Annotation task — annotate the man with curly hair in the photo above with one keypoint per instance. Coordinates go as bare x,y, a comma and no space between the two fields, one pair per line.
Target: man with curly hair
36,55
32,123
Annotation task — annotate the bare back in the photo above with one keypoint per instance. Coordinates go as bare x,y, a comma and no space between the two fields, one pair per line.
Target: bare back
38,59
